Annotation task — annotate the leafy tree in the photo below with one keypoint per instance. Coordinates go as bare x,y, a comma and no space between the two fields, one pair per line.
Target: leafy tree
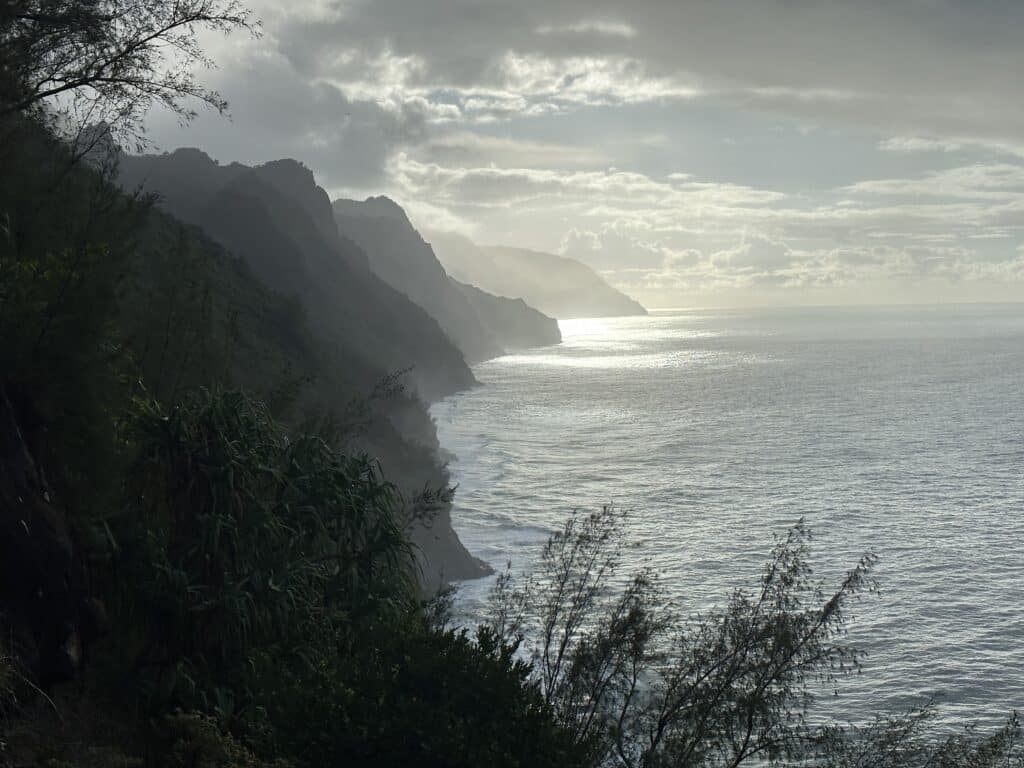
412,694
243,553
639,687
109,60
64,241
911,740
67,238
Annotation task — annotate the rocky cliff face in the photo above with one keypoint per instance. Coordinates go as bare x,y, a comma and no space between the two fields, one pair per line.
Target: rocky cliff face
557,286
399,256
481,325
512,322
280,224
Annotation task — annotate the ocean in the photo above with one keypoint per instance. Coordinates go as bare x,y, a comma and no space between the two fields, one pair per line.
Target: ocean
896,430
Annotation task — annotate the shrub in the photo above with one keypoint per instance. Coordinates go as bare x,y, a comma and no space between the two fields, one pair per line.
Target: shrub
412,695
241,550
190,740
636,686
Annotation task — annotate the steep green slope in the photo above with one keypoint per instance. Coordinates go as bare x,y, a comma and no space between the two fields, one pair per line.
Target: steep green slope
279,221
350,330
400,256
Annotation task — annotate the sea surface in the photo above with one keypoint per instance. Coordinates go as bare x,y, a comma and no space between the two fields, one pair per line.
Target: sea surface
898,431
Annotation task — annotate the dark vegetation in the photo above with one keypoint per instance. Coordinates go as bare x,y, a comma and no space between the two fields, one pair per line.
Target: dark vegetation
201,562
278,219
358,330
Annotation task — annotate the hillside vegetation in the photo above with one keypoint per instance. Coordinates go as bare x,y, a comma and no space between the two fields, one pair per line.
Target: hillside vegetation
482,326
202,563
280,222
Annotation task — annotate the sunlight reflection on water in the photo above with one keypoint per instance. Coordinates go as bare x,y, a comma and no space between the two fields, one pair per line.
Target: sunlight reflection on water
899,431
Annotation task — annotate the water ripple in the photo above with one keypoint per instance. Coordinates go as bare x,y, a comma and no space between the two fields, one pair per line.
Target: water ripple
898,431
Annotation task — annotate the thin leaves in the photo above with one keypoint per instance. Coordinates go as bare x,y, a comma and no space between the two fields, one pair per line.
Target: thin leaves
112,60
641,688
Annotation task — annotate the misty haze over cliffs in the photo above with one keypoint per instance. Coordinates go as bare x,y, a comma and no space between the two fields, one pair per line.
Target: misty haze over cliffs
482,325
375,293
370,455
558,286
277,219
278,222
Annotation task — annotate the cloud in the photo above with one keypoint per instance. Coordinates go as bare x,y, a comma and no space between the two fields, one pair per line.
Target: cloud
989,181
919,144
940,69
613,245
275,112
466,149
692,146
908,144
511,85
755,253
606,28
679,231
760,267
504,186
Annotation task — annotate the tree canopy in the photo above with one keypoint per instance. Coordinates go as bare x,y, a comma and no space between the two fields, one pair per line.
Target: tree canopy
110,61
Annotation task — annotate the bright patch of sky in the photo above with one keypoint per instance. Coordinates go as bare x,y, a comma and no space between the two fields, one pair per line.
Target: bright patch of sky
696,153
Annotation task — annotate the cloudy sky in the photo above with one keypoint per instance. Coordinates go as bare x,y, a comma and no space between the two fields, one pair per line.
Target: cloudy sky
695,152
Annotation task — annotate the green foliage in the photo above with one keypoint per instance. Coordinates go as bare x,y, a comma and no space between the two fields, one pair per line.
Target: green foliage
410,694
167,312
83,739
636,686
911,741
242,550
108,59
190,740
64,245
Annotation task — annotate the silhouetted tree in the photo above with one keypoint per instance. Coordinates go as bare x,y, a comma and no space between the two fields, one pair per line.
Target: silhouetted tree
637,686
912,740
110,60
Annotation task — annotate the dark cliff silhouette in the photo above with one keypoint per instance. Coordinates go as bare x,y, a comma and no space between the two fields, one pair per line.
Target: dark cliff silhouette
396,252
276,218
279,223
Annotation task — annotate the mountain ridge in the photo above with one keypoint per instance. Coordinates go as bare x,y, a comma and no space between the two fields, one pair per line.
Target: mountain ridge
558,286
482,326
284,206
278,222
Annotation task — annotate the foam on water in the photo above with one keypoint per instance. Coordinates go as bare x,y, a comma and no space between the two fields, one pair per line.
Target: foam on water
898,431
